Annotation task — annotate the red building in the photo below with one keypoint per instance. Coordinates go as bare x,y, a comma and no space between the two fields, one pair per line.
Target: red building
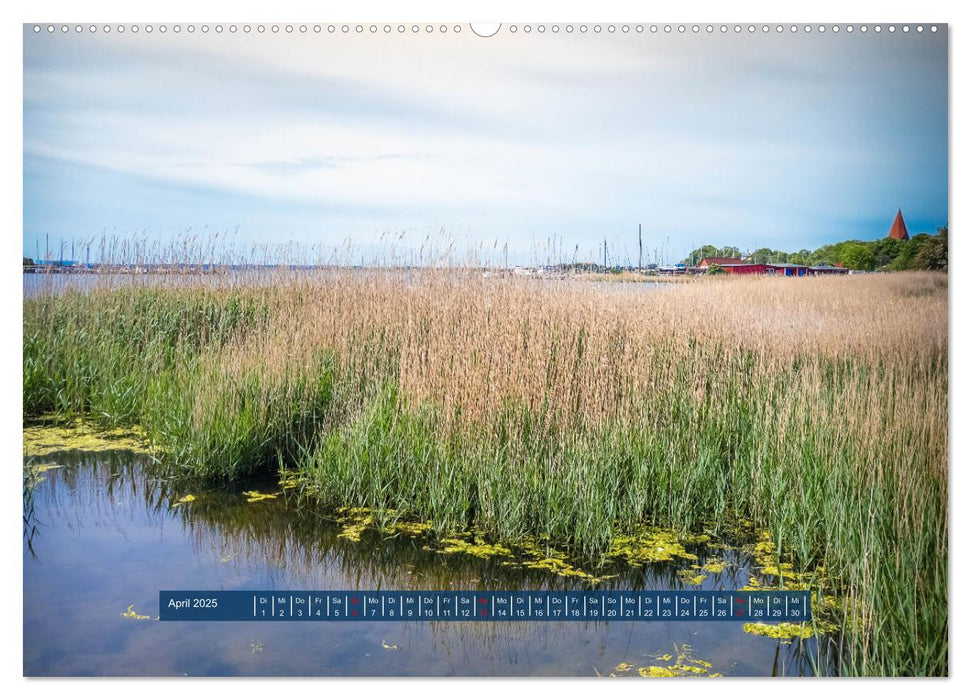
745,268
784,269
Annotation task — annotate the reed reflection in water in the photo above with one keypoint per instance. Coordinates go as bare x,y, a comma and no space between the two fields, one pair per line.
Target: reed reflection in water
107,532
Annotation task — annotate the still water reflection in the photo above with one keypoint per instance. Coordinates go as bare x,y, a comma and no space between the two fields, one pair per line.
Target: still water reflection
105,535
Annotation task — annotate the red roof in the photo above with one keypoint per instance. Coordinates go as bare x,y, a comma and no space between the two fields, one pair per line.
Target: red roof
899,229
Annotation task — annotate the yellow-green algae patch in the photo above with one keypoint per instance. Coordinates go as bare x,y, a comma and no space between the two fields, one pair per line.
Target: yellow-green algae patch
354,531
683,663
132,615
714,566
696,575
537,555
656,672
529,553
477,547
256,496
293,480
407,528
649,545
691,577
645,545
188,498
44,439
784,576
782,630
356,521
825,609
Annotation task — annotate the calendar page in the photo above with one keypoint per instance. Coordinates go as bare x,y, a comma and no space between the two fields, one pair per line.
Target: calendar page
451,349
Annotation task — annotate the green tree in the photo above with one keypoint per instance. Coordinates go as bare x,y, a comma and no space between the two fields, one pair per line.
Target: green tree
762,256
885,250
933,254
699,254
826,255
920,252
803,257
908,251
856,256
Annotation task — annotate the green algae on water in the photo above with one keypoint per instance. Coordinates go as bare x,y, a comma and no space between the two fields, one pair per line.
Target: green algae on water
256,496
356,521
691,577
682,663
697,574
132,615
478,547
645,545
544,557
714,566
648,545
354,531
783,576
656,672
294,480
45,439
407,528
782,630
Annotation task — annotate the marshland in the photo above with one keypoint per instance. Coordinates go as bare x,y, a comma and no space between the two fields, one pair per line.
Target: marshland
803,421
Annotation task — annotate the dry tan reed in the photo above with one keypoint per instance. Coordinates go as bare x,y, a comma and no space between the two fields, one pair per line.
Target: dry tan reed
462,341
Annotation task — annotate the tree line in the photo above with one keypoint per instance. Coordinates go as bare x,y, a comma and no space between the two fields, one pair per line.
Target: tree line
923,251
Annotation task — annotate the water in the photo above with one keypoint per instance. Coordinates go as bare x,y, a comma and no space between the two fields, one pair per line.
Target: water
37,285
104,536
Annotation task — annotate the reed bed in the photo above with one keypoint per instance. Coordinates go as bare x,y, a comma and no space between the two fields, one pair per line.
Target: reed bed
814,407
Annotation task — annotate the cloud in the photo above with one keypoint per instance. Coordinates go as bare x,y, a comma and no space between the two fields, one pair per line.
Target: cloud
779,140
302,165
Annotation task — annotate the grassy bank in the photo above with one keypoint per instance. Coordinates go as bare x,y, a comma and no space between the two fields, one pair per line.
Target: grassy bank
815,407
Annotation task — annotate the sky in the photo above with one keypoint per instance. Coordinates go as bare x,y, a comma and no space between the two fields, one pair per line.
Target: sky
543,145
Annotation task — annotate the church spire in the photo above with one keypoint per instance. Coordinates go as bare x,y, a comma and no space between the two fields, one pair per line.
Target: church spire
898,231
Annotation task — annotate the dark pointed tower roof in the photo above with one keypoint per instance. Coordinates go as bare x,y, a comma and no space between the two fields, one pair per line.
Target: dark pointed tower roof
899,229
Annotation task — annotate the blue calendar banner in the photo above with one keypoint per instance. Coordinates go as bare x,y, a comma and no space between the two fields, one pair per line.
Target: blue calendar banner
485,606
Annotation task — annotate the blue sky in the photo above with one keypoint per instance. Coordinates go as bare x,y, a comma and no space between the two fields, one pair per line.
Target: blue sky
781,140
